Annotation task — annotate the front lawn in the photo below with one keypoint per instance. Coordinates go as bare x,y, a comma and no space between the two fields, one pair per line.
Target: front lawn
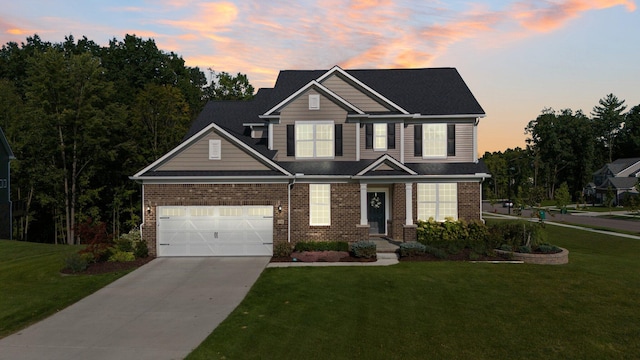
31,286
445,310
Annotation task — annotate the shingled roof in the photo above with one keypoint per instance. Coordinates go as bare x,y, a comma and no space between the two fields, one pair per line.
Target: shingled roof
430,91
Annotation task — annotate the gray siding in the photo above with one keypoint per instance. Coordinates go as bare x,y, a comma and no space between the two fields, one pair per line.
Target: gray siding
464,144
196,157
298,110
352,95
372,154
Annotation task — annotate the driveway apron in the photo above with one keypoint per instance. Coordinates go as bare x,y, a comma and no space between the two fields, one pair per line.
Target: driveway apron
162,310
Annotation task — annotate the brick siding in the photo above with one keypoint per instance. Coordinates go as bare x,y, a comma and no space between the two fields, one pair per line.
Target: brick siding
345,208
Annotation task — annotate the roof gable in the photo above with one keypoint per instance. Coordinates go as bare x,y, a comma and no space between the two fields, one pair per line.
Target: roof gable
319,88
157,165
385,164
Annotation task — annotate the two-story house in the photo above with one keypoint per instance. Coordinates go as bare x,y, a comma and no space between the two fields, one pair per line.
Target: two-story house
6,219
619,177
323,155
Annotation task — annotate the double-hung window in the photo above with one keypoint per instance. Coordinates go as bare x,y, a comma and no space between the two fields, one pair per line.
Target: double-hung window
320,204
438,201
434,140
314,139
379,137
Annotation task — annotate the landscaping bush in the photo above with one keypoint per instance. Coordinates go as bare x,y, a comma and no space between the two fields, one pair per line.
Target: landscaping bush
511,235
141,250
454,236
322,246
282,249
364,249
548,249
122,256
439,253
75,262
412,249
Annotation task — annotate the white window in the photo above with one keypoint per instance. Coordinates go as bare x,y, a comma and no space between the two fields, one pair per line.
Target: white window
314,139
314,102
380,137
434,140
215,149
319,204
438,201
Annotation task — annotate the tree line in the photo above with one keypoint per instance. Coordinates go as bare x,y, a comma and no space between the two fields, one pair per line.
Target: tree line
81,118
563,149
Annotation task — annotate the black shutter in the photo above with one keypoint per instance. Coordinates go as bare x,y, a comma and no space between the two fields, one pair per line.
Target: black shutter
291,141
338,142
368,132
391,136
451,140
417,140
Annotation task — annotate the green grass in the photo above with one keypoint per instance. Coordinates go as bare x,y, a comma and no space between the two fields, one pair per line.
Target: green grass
31,286
587,309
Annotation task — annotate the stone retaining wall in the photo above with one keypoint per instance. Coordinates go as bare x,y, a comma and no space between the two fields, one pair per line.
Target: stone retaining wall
542,259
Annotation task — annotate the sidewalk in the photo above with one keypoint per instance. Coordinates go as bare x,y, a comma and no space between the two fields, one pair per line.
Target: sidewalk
590,221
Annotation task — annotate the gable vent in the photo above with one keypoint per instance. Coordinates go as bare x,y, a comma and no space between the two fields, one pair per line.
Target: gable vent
215,152
314,102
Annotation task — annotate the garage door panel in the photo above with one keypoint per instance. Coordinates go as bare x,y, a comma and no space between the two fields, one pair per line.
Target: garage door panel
215,231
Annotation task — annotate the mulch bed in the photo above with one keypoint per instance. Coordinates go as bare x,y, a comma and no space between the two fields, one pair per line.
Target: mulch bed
108,267
464,255
320,256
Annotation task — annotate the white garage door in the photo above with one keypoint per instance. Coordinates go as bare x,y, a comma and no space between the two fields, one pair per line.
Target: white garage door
215,230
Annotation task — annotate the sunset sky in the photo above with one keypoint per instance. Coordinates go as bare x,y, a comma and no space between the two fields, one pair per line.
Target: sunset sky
517,57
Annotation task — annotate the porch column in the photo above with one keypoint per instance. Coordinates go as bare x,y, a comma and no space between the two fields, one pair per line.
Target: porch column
363,204
408,203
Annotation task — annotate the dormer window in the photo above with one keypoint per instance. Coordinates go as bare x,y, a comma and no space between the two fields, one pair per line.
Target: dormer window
314,102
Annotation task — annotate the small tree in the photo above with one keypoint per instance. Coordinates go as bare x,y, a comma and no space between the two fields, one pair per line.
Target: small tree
563,198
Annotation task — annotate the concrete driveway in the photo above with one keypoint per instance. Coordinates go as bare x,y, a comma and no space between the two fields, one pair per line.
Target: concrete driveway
163,310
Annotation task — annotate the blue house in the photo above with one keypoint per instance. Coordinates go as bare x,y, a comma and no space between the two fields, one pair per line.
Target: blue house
6,155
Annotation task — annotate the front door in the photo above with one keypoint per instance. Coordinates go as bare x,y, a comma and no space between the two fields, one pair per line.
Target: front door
376,214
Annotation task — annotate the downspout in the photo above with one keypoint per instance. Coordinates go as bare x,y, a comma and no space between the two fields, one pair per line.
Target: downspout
481,218
143,212
289,186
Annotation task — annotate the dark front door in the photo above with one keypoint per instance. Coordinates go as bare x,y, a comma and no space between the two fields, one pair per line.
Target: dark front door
376,213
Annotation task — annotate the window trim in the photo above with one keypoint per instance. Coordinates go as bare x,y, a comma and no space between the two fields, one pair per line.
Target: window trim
326,204
438,202
314,139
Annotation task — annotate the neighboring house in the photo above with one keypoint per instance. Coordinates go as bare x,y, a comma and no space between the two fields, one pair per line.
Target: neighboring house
620,177
6,220
336,154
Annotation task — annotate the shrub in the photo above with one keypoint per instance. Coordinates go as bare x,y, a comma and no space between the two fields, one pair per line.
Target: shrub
122,256
524,249
98,251
364,249
412,249
282,249
322,246
123,244
517,233
140,249
439,253
453,236
549,249
75,262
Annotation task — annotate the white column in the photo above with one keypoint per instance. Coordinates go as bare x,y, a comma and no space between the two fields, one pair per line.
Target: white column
363,204
408,189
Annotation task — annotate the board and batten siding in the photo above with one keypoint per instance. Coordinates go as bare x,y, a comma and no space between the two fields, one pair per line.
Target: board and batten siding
464,144
354,96
298,110
196,157
374,154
